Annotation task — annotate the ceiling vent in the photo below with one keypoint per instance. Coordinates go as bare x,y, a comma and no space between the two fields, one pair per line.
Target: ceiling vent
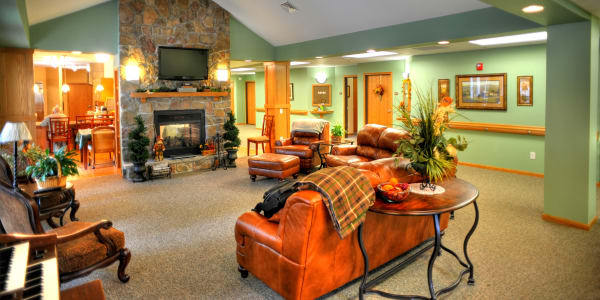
289,7
429,48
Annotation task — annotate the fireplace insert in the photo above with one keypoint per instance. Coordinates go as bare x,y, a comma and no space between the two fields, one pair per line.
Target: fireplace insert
182,131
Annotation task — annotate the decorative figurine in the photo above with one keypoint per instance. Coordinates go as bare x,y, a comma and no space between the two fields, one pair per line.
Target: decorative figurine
159,149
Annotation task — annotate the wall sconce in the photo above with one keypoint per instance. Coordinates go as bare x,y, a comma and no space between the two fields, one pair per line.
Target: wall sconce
36,89
132,72
222,75
99,88
65,88
321,77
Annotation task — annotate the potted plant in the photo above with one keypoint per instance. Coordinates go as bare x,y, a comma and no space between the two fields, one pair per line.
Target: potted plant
51,171
337,132
232,140
138,150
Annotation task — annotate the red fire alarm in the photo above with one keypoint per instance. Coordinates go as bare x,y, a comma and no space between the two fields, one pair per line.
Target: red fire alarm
479,66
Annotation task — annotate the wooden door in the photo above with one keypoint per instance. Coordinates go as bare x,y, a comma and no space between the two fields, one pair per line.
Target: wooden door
79,99
379,109
350,101
250,103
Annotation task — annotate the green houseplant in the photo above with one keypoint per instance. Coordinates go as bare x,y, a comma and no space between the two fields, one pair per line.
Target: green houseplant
232,139
51,171
337,132
138,149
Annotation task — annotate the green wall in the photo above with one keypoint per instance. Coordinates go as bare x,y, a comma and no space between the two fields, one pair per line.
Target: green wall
95,29
14,26
240,96
245,44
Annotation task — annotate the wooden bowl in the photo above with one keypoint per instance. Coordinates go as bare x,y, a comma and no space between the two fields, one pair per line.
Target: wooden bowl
395,195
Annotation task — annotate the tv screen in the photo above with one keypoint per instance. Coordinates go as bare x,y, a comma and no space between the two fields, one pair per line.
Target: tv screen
182,63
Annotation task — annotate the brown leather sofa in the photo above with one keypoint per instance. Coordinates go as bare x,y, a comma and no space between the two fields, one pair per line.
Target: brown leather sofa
299,254
373,142
304,145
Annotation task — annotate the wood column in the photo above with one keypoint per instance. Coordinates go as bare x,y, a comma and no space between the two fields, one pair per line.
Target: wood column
17,103
277,98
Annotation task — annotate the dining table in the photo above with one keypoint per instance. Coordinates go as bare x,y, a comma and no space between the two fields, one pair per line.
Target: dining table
83,137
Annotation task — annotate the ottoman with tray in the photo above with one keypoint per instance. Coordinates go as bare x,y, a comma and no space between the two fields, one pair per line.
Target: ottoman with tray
273,165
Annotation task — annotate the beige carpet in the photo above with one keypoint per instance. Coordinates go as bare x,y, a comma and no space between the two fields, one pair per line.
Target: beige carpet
180,232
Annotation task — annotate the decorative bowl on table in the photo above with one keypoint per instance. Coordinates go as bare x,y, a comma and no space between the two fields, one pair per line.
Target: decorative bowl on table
391,192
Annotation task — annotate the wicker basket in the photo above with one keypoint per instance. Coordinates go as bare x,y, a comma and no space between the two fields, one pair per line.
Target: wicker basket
52,181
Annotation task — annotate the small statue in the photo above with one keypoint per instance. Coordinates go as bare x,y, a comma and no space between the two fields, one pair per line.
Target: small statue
159,149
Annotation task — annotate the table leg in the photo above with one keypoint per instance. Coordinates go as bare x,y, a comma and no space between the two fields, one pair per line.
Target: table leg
85,157
471,280
362,288
74,208
50,221
434,255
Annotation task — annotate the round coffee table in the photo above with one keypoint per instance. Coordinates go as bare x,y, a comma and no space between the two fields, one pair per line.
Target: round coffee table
458,194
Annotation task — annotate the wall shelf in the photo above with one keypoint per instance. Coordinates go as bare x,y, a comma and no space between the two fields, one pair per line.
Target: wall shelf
293,111
144,95
321,112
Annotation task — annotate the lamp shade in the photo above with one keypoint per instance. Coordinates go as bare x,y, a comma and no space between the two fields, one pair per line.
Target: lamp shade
14,132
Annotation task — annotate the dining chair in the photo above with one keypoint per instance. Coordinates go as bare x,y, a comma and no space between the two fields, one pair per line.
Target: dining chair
102,122
265,137
84,122
59,132
103,141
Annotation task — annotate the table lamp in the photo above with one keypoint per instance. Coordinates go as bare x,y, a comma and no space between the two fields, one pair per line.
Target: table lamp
15,132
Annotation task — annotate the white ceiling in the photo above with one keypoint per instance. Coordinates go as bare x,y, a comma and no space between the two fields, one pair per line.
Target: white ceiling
593,6
43,10
324,18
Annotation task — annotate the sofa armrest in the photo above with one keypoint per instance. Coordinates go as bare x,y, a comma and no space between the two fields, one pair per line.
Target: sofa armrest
316,145
344,150
255,226
92,228
283,142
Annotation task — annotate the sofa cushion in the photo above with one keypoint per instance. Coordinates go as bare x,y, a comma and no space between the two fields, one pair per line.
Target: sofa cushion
388,138
272,161
383,153
304,140
369,135
302,151
345,160
367,151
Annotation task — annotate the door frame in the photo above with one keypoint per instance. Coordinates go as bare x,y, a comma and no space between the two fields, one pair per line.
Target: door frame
355,106
365,75
246,96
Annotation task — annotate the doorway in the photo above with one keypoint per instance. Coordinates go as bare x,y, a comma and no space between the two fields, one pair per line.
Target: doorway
250,103
350,104
379,108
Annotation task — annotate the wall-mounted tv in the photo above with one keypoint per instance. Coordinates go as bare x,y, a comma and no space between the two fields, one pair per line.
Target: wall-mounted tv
182,63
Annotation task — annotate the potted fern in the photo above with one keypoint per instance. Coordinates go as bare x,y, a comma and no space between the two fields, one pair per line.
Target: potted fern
232,140
337,132
51,171
138,150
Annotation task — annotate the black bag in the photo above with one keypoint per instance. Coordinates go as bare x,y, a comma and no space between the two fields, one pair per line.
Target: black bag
274,199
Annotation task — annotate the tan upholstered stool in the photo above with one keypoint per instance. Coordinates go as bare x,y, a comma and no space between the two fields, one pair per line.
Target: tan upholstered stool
273,165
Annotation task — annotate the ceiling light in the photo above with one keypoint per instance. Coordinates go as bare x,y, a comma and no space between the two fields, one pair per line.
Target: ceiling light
319,57
443,42
65,88
370,54
99,88
248,60
76,52
289,7
242,69
511,39
297,63
531,9
370,51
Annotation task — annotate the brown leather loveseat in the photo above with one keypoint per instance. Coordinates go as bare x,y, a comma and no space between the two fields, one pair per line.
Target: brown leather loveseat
373,142
303,145
300,255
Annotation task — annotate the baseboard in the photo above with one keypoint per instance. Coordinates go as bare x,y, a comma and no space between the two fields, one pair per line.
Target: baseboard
569,223
541,175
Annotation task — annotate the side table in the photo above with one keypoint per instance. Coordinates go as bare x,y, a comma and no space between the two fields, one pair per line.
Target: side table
54,202
458,194
323,156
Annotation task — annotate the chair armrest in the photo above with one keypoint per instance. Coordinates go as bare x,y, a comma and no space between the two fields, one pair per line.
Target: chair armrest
344,150
316,145
93,228
283,142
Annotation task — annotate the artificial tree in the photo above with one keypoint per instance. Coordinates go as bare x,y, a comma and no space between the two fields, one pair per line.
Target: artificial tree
138,149
232,140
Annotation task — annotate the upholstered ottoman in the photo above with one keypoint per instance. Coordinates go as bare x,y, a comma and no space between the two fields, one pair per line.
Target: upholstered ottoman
273,165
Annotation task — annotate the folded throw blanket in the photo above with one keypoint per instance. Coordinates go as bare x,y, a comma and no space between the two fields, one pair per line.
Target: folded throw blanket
347,195
309,125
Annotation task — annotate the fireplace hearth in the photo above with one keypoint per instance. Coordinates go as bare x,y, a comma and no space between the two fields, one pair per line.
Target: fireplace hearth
182,131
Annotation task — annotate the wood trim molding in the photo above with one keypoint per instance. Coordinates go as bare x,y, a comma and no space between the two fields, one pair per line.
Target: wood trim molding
534,174
570,223
143,96
260,109
501,128
298,112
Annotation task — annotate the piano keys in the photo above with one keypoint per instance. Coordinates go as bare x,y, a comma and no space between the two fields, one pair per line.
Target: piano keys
13,263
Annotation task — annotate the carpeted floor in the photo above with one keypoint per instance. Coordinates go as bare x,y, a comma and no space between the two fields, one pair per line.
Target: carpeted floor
180,233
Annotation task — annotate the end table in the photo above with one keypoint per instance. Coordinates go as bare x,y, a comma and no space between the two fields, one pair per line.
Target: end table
54,202
323,156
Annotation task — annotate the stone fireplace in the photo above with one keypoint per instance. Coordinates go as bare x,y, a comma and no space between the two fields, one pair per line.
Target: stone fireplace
182,131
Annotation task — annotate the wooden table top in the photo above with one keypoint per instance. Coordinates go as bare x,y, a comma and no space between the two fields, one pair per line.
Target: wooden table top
32,188
458,194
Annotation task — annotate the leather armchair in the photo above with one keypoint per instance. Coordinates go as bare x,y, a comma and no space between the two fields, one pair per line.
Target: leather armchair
305,146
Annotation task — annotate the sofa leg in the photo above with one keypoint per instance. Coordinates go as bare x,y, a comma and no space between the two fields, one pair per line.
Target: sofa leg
124,258
253,178
295,176
243,271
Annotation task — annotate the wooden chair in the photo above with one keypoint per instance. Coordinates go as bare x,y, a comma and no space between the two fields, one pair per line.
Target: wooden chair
84,122
103,122
265,137
103,141
59,132
82,247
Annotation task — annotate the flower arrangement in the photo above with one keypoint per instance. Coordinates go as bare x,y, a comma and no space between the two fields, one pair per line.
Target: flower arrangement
430,153
379,90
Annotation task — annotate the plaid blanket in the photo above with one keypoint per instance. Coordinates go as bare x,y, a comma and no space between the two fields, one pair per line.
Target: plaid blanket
348,195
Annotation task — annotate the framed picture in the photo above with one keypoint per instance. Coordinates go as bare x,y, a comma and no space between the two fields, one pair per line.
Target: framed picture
525,90
321,94
291,92
406,92
443,88
481,91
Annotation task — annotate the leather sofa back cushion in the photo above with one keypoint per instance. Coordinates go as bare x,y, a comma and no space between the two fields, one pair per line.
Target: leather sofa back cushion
389,136
382,153
369,135
304,140
367,151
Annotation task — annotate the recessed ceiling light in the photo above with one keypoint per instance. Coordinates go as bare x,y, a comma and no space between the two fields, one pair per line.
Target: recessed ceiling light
531,9
444,42
297,63
370,54
511,39
319,57
370,51
76,52
248,60
242,69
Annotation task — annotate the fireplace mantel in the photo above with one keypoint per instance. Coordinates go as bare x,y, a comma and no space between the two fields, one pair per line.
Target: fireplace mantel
144,95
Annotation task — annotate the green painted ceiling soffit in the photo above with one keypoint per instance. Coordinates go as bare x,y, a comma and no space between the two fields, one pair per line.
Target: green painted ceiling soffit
555,11
14,27
482,22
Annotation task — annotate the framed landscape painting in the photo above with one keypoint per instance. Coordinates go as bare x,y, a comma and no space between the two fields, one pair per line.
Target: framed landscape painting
443,88
525,90
481,91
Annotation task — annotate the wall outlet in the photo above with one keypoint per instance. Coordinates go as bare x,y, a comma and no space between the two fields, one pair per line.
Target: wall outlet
531,155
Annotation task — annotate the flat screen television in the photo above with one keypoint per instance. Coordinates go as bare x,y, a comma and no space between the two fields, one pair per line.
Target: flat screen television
182,63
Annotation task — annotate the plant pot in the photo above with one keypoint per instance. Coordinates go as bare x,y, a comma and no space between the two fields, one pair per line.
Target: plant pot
139,172
231,157
51,182
336,139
